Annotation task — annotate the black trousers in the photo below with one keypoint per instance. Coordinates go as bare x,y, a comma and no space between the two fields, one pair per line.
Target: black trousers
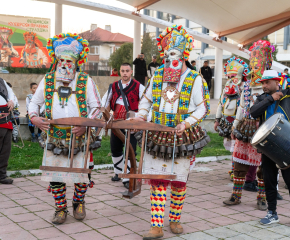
117,145
270,172
140,79
208,81
5,149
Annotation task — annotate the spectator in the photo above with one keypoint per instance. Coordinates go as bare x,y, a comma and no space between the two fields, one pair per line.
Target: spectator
152,66
286,71
6,106
33,87
206,73
115,73
193,63
16,114
140,69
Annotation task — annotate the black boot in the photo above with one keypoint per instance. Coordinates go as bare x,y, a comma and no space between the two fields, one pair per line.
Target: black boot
250,186
279,197
126,184
116,178
6,180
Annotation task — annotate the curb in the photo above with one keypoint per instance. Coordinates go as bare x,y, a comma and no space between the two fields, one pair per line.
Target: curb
106,166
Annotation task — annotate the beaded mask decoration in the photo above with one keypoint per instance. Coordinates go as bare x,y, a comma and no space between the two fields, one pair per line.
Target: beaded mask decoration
236,71
174,45
68,52
260,60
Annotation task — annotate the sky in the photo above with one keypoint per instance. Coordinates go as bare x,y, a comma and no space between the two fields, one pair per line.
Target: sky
75,20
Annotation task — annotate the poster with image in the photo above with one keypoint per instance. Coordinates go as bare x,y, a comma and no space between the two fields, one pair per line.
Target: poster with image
23,41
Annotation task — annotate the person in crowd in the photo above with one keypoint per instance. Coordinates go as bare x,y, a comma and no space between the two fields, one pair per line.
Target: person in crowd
140,69
193,63
272,100
6,106
115,73
33,87
123,96
153,66
15,117
206,72
286,71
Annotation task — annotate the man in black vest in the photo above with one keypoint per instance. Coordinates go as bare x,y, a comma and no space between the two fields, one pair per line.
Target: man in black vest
265,107
6,127
120,103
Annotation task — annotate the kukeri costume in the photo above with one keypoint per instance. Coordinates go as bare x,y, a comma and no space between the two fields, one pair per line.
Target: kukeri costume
245,125
79,99
175,97
32,56
7,51
236,71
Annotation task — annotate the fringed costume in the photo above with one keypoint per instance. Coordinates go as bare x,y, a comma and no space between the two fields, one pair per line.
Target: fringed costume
66,92
176,98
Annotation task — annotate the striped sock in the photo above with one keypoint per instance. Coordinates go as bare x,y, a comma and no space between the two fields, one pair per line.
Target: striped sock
58,193
158,200
80,191
238,186
261,190
177,199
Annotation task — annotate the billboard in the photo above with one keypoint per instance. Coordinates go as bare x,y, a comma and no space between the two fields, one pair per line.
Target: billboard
23,41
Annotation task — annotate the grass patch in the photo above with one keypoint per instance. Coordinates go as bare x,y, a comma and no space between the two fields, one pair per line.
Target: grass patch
30,157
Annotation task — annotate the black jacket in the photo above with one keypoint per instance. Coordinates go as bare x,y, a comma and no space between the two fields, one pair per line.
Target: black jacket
206,73
263,101
140,67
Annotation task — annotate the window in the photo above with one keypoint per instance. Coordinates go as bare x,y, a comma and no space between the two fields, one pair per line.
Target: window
111,50
94,50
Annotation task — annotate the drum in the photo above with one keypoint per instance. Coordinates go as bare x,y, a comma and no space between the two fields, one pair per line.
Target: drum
273,140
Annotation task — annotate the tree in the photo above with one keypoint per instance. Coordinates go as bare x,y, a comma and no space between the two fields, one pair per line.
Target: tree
121,55
149,48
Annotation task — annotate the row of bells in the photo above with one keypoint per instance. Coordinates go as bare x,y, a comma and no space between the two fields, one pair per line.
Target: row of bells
166,152
65,151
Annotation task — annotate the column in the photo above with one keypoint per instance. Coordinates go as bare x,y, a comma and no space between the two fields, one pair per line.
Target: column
58,18
218,73
136,41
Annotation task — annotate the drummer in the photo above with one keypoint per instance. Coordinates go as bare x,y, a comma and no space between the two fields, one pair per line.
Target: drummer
264,108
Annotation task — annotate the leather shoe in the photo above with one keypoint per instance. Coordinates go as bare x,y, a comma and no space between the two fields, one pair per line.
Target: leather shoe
279,197
126,185
116,178
176,228
154,233
6,180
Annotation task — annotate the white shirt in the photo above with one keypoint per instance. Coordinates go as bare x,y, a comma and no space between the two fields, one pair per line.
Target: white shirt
10,95
71,110
197,104
106,100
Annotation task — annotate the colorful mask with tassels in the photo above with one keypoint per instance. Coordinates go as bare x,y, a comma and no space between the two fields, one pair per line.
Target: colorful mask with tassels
68,52
174,45
260,60
236,71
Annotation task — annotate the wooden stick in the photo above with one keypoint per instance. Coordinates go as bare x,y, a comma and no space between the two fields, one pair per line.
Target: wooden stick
142,153
65,169
87,148
127,151
72,150
146,176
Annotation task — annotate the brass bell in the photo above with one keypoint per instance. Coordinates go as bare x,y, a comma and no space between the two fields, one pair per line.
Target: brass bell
50,146
162,152
155,150
57,151
182,150
65,151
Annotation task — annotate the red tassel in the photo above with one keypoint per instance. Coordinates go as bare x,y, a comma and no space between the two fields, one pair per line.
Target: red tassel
91,184
49,189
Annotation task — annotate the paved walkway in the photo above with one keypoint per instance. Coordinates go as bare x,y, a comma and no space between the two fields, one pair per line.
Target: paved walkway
26,209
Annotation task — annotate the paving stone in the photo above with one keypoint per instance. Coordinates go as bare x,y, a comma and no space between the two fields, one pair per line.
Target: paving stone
23,217
36,224
221,232
222,220
73,227
124,218
88,235
100,223
44,233
115,231
198,235
242,237
282,229
265,234
18,235
242,228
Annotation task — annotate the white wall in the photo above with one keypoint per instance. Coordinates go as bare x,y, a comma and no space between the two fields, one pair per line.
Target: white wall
105,51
